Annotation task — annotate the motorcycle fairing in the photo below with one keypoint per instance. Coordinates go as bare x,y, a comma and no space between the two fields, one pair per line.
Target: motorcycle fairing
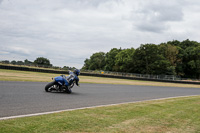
61,80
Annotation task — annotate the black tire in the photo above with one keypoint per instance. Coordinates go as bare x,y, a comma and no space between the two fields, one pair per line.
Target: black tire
68,90
49,85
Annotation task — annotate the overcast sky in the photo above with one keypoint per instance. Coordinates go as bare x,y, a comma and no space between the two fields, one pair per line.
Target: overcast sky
69,31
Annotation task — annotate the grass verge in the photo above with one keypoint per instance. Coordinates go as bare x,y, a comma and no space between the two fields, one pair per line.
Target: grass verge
180,115
14,75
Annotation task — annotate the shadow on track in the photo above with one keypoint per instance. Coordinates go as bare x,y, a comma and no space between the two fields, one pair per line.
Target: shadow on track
63,93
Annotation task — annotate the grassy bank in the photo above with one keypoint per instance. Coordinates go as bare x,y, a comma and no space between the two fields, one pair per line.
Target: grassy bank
177,115
13,75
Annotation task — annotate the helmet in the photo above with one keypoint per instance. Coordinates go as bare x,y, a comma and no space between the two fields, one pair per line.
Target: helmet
77,71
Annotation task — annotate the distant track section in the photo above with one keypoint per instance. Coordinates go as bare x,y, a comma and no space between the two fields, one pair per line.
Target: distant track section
92,74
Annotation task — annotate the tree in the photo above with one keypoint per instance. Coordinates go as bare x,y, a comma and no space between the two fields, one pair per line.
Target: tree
110,60
192,60
42,62
97,61
13,62
170,53
187,43
86,65
65,68
5,61
149,61
174,43
20,63
68,68
27,62
188,59
124,59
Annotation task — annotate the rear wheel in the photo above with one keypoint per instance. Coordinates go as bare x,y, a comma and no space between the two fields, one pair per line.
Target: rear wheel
49,87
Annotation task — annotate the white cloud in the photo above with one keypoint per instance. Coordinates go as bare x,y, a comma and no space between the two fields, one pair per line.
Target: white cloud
153,16
68,32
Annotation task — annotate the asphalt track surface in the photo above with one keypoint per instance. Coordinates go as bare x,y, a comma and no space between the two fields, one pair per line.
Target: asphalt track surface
21,98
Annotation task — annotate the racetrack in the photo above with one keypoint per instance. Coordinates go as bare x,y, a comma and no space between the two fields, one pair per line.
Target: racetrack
20,98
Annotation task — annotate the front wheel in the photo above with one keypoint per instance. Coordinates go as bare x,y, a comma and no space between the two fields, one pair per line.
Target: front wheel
68,90
50,86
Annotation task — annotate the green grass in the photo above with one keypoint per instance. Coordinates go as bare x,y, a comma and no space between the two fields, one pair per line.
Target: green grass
177,115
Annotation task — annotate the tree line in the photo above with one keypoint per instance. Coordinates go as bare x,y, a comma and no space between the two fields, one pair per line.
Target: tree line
38,62
170,58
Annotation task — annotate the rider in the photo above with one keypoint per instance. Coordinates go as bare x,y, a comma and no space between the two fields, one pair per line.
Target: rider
74,77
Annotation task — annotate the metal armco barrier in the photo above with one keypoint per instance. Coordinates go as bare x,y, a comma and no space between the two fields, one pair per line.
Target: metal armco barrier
32,69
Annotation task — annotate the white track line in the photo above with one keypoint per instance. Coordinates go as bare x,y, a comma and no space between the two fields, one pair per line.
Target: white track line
36,114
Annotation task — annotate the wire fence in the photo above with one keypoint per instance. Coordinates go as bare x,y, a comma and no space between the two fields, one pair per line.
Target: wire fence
136,75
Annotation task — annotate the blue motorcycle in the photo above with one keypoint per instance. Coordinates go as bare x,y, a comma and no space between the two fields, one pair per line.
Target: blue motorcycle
62,83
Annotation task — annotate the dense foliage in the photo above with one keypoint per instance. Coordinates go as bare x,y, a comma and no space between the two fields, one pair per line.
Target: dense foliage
173,58
41,61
